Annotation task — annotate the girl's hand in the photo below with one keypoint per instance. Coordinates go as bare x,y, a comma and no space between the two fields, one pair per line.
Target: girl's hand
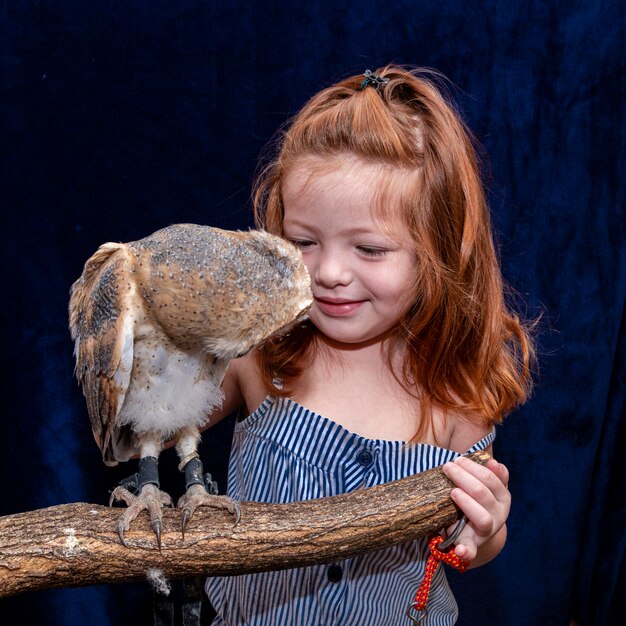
482,493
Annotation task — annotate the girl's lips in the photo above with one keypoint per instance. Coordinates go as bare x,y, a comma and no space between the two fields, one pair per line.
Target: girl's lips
337,308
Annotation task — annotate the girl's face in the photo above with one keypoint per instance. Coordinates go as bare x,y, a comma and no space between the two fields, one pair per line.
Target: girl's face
362,271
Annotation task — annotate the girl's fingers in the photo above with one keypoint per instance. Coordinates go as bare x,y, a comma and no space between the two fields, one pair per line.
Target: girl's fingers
482,483
481,493
466,551
500,470
480,518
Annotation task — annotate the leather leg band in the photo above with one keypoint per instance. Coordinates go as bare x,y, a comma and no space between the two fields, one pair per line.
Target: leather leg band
194,473
148,473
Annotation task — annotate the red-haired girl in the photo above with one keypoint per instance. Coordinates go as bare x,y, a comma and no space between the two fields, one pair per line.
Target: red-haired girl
409,357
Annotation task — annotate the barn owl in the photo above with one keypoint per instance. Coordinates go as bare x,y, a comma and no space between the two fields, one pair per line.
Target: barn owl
155,323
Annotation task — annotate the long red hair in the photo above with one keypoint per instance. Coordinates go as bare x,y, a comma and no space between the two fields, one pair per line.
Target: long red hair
466,352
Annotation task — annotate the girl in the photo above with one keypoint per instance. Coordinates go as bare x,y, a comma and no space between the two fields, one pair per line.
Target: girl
408,359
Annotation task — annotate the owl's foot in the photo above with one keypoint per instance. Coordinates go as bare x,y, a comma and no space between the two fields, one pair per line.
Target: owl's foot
197,496
141,493
150,499
202,491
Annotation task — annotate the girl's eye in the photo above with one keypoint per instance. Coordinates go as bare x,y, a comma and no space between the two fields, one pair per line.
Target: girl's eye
369,251
301,243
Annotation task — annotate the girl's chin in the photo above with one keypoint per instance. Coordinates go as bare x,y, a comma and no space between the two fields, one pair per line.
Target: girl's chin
351,338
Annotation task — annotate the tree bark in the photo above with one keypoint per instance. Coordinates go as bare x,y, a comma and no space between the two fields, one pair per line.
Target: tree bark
72,545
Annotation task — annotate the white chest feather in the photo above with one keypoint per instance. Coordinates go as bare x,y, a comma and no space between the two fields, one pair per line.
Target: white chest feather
170,389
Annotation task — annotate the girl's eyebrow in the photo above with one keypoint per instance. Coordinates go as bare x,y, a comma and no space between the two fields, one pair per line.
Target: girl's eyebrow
381,235
353,230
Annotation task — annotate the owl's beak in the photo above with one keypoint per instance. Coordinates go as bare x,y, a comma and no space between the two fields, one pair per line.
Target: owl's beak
303,315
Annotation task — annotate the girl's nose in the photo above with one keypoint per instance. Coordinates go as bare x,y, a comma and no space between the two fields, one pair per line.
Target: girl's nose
332,268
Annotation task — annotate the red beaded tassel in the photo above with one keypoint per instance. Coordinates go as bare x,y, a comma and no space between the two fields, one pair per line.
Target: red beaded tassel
435,558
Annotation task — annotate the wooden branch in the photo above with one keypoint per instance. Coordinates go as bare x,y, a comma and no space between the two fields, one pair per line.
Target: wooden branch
73,545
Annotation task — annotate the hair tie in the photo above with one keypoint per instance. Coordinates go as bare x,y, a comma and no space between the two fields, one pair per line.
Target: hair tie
373,79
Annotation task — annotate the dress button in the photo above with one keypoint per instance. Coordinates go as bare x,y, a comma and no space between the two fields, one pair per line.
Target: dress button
334,573
364,458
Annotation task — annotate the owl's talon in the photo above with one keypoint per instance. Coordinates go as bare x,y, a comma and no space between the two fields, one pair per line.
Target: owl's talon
120,531
156,527
121,494
186,517
235,509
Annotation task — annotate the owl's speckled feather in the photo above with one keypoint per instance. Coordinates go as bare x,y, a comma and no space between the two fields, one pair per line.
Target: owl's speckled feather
156,322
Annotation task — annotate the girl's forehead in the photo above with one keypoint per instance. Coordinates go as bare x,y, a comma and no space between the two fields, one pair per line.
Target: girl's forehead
350,183
343,174
311,169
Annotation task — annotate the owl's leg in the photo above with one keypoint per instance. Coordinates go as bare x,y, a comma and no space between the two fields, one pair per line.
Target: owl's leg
142,491
200,488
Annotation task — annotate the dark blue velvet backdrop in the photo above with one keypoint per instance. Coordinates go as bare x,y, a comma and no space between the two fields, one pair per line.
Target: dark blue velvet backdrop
121,117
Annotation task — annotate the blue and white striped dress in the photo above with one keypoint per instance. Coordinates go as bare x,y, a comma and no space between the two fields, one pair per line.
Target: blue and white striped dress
284,453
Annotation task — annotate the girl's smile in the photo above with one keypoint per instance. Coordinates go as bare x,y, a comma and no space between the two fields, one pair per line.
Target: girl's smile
335,307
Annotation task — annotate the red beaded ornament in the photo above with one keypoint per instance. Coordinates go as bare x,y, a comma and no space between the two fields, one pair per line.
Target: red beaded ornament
435,558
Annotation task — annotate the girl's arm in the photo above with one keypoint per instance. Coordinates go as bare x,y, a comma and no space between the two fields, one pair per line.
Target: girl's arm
242,388
233,397
482,493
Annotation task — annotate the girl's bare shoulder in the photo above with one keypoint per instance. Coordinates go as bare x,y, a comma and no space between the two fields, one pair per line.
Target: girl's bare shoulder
465,433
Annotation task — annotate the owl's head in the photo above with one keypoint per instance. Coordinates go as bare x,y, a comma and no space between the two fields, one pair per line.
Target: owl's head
266,290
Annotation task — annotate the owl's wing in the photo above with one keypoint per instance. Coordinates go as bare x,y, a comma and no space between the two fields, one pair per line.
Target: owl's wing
102,308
